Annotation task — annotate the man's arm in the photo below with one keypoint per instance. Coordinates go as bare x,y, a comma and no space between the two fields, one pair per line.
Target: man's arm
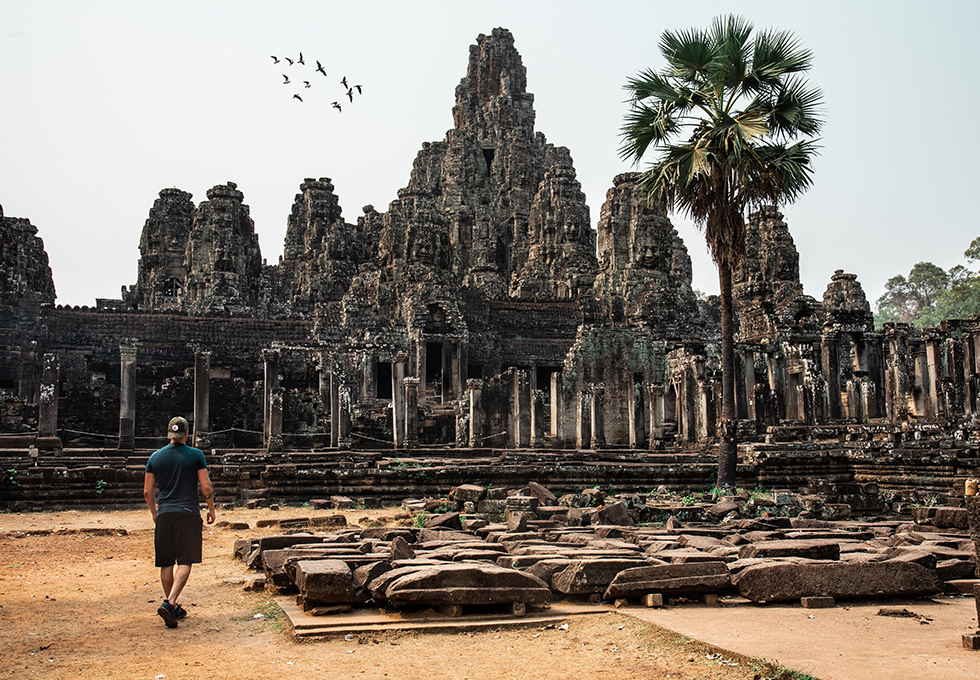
149,481
207,488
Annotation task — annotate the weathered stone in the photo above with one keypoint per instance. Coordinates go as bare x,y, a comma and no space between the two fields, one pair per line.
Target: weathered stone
691,578
462,584
467,493
591,576
400,550
544,496
366,573
448,520
811,549
326,581
612,514
723,507
791,581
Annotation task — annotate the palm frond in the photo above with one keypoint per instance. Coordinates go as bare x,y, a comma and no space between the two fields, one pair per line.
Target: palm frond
646,126
733,54
690,54
795,108
777,54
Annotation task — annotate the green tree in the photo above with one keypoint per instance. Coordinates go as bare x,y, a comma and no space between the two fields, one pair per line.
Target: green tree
733,123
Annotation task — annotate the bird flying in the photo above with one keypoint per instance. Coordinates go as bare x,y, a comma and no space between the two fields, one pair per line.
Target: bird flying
287,81
337,106
344,82
306,83
300,60
296,96
289,60
350,95
319,67
358,89
275,59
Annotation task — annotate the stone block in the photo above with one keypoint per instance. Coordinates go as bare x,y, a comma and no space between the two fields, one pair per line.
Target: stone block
689,578
544,496
467,493
591,576
815,549
817,602
652,600
789,581
723,507
327,581
615,513
448,520
400,550
971,641
460,584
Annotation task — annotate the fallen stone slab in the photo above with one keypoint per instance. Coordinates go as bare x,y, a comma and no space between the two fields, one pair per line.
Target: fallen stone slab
366,573
326,581
389,533
693,578
617,514
583,577
428,535
786,582
467,493
465,584
544,496
817,549
683,555
448,520
279,541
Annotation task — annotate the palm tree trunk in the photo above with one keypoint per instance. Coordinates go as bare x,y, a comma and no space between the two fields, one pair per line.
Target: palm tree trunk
727,448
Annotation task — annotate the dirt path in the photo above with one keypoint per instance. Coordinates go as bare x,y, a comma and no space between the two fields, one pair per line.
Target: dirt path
81,604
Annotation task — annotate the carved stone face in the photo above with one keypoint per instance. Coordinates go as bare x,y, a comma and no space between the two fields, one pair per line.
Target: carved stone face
644,253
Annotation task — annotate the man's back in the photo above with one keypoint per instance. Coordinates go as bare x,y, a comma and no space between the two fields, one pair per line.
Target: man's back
175,468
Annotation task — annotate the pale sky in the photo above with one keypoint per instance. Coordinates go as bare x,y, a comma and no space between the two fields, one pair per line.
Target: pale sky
106,103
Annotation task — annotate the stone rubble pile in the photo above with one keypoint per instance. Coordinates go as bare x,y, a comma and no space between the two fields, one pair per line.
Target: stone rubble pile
589,547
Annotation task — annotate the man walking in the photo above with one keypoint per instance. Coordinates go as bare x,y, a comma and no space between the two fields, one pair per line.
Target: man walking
177,469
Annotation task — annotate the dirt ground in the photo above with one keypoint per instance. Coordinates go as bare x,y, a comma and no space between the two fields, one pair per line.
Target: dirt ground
78,598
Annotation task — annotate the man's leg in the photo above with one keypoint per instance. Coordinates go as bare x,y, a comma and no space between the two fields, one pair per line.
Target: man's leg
167,579
180,576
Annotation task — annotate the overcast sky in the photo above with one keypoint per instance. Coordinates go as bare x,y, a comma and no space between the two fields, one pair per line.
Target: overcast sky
106,103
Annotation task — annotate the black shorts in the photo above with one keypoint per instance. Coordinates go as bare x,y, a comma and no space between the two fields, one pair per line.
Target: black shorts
178,538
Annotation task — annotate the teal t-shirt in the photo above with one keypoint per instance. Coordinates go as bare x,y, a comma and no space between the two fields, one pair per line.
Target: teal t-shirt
175,468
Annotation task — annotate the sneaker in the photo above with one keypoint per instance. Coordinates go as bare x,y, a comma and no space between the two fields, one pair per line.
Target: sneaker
179,612
168,613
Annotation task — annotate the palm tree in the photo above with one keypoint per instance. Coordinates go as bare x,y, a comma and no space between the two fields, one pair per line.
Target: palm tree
733,122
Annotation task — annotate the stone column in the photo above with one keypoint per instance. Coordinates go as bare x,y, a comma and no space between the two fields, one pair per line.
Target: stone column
583,421
345,403
748,363
460,362
324,384
398,399
334,405
202,399
475,386
874,351
637,428
655,404
522,410
932,373
598,415
270,359
274,442
47,417
127,394
969,393
411,413
537,418
557,409
369,367
777,380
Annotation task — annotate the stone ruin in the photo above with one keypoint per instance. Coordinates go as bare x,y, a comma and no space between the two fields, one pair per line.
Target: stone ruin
479,329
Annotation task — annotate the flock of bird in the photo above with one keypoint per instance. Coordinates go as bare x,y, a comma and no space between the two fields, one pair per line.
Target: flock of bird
349,89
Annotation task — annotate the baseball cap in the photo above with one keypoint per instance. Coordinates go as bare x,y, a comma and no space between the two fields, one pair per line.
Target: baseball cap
177,428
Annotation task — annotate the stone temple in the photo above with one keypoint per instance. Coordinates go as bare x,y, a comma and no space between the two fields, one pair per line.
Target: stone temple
481,317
